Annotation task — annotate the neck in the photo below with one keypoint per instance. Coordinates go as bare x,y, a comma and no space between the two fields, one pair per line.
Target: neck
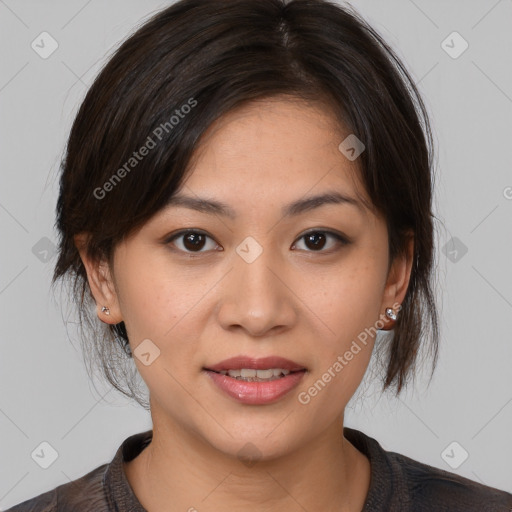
180,468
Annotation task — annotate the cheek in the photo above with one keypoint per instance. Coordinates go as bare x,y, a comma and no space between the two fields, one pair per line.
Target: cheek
154,296
345,299
158,306
348,307
345,303
163,304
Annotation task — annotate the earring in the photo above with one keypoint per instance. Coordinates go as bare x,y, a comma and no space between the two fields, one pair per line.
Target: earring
390,314
105,310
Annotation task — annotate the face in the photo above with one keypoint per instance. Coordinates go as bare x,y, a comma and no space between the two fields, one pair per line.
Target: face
301,284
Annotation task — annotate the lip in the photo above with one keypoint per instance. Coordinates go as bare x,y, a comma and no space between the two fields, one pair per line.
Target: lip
256,393
262,363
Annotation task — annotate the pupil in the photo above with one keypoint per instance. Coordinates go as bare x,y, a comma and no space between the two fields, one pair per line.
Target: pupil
314,236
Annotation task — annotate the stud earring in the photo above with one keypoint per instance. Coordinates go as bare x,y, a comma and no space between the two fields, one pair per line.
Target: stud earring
390,314
105,310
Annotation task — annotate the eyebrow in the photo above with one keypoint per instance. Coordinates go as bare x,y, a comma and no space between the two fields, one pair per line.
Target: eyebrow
298,207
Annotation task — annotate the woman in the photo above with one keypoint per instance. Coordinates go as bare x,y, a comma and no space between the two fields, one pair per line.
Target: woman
245,201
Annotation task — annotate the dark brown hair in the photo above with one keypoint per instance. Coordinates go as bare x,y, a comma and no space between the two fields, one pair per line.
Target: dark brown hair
195,61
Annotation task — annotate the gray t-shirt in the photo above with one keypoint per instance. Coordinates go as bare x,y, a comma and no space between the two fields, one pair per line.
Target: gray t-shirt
397,483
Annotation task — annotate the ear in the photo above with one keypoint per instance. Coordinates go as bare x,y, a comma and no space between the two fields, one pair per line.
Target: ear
101,283
397,282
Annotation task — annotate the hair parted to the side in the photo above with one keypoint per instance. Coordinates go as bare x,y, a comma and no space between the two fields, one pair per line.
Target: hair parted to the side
214,56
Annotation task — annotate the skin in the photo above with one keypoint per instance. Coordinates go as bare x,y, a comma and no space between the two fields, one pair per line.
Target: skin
295,300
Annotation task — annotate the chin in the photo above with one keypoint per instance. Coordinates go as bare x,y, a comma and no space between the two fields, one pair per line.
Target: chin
264,443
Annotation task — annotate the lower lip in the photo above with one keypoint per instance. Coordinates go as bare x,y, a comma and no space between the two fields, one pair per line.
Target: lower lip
256,393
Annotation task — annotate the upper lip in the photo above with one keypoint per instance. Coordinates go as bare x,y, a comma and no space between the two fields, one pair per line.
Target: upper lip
263,363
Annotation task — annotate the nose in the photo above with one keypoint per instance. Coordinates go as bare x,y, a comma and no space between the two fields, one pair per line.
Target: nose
256,296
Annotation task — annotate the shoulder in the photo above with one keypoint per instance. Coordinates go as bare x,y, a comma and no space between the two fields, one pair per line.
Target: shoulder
84,493
429,486
401,483
103,489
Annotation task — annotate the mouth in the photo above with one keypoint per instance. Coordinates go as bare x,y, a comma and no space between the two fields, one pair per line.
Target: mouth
254,381
251,369
253,375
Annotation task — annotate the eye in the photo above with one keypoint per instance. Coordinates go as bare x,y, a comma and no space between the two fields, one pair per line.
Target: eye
317,240
192,240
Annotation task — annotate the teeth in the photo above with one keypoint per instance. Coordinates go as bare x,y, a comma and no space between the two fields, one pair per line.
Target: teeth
252,374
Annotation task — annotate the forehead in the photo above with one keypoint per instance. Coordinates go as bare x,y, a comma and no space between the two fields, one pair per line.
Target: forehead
270,151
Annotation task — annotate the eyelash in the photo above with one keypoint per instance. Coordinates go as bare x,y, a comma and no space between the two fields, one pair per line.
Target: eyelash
194,254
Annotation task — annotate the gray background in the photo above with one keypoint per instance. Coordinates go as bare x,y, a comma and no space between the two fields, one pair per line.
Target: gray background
46,394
